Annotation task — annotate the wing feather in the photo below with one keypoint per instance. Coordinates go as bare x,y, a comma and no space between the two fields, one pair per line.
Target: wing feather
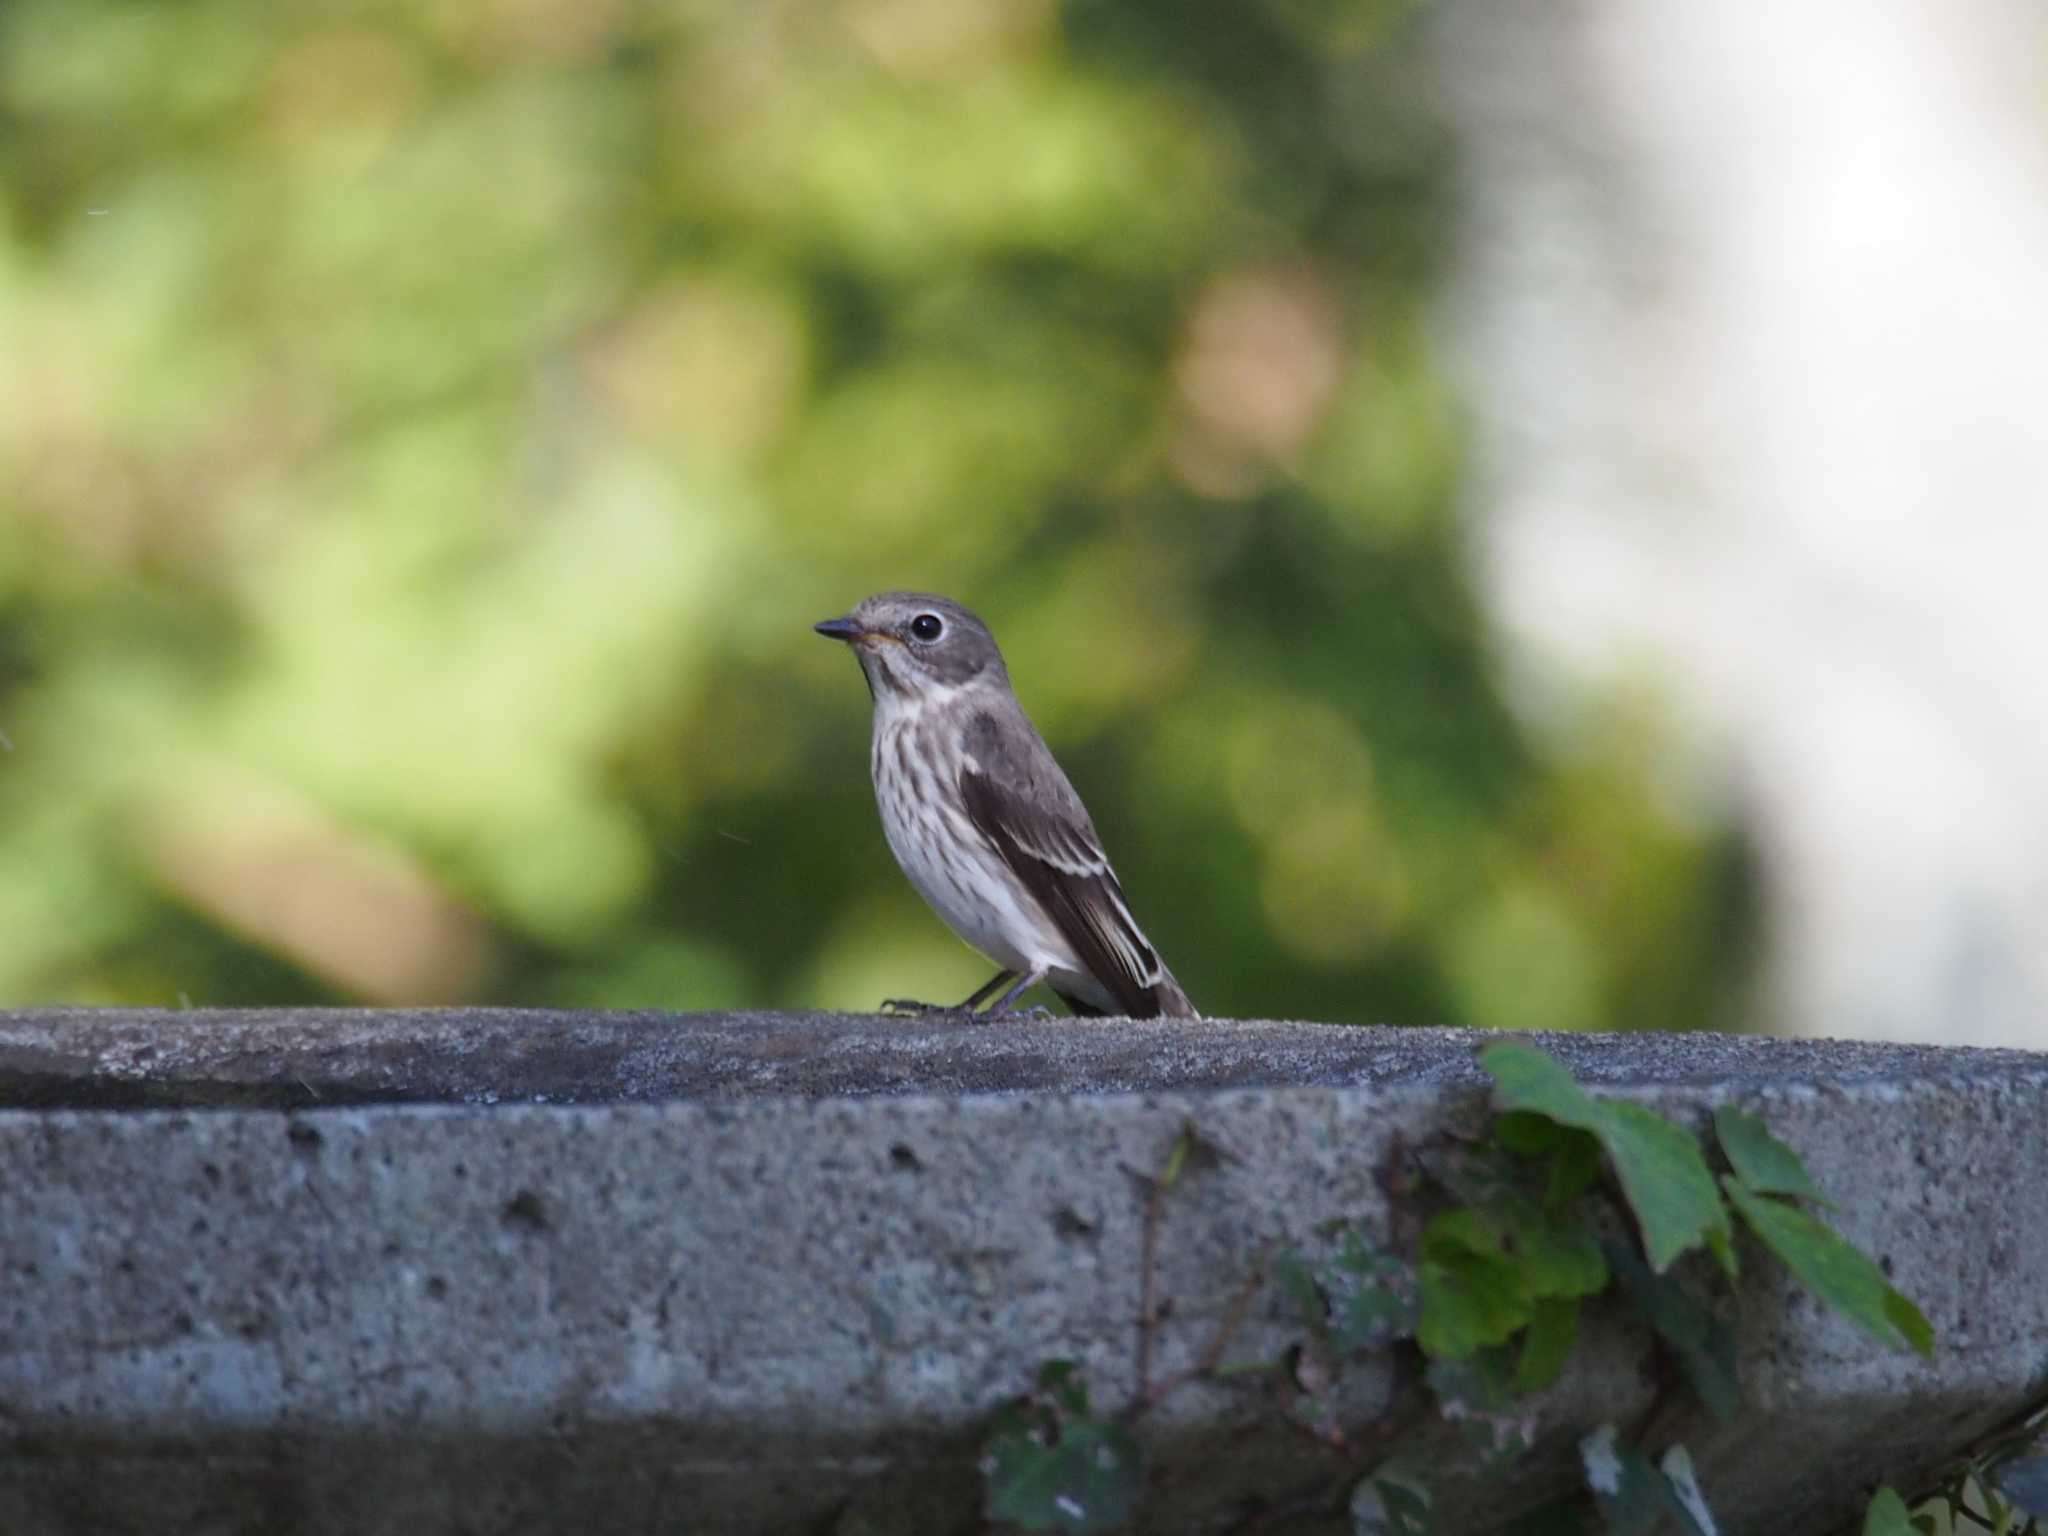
1020,801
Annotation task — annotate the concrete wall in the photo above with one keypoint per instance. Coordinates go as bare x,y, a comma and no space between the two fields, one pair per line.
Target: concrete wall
504,1272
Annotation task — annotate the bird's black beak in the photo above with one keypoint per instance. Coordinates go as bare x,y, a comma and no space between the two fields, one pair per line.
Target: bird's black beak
839,629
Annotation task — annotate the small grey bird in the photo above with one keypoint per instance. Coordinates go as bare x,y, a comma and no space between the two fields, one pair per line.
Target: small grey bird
984,822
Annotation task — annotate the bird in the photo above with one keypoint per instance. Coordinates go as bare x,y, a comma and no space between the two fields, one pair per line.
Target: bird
985,823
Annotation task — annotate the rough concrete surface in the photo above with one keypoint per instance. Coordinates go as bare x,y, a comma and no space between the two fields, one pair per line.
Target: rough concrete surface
498,1272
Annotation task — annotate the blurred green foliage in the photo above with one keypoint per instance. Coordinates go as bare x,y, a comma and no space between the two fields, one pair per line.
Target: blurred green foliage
429,430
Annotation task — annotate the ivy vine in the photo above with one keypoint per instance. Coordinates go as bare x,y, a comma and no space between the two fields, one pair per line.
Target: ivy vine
1497,1246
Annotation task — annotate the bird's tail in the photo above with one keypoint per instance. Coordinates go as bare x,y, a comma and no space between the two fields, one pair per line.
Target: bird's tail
1173,1003
1167,999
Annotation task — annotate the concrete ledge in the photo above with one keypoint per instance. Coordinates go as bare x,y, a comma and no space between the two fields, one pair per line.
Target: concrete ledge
497,1272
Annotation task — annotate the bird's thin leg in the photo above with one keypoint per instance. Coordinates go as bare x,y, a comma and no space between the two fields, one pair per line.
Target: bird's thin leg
1008,1000
980,996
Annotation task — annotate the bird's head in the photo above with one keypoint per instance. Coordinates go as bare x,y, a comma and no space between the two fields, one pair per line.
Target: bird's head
912,645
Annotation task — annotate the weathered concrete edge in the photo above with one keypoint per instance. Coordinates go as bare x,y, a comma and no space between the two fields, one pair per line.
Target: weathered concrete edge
872,1309
320,1057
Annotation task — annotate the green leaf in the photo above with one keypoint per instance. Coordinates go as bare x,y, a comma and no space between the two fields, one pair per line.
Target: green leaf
1686,1499
1528,1134
1393,1501
1573,1153
1478,1396
1721,1244
1465,1388
1462,1229
1632,1494
1659,1165
1359,1299
1374,1300
1472,1295
1834,1270
1088,1481
1901,1312
1558,1258
1533,1080
1887,1516
1049,1466
2024,1481
1759,1159
1063,1383
1574,1165
1702,1343
1548,1344
1666,1181
1298,1280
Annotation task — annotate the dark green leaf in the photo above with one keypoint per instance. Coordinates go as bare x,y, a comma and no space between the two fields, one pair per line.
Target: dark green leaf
1887,1516
1374,1300
1687,1501
1477,1173
1573,1154
1049,1466
1061,1380
1759,1159
1088,1481
1659,1165
1393,1501
1478,1396
1632,1494
1702,1343
1482,1384
1360,1299
1527,1133
1547,1346
1310,1305
1560,1517
2024,1481
1573,1166
1834,1270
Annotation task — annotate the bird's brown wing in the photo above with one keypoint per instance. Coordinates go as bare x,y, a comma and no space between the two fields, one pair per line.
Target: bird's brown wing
1018,799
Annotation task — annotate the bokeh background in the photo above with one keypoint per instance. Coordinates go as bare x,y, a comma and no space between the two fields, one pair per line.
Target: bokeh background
428,432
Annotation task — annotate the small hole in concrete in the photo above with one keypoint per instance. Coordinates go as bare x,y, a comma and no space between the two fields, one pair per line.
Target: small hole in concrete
1073,1226
212,1172
903,1160
525,1210
303,1136
436,1287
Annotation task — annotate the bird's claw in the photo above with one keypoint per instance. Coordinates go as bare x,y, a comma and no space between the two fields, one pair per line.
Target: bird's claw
910,1007
1034,1011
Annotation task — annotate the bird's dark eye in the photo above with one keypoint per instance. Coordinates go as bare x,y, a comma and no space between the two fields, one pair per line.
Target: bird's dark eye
926,626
